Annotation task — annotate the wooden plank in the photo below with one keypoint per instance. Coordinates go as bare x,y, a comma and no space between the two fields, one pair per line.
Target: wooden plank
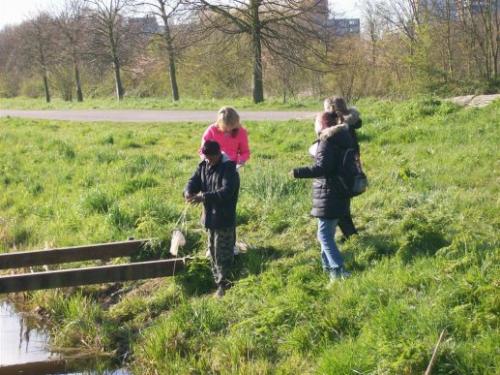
93,275
57,366
60,363
70,254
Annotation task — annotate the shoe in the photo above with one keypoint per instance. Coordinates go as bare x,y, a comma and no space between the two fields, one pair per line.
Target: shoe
236,251
220,292
339,274
207,254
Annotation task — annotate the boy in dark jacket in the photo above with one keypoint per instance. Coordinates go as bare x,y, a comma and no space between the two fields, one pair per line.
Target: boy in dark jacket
216,184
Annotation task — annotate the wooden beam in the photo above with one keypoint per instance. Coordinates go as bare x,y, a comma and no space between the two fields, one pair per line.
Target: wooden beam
93,275
56,366
70,254
60,363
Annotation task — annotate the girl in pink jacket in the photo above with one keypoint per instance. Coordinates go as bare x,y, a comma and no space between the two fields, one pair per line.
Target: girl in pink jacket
230,135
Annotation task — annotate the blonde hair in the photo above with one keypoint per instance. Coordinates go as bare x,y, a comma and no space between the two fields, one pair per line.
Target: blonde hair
328,105
228,119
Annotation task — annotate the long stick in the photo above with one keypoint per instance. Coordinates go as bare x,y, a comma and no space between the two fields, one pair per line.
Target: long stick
434,354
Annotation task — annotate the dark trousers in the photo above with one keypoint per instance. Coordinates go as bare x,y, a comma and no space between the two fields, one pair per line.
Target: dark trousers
221,247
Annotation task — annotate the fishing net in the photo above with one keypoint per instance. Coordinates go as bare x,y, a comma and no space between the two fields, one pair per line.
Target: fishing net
178,238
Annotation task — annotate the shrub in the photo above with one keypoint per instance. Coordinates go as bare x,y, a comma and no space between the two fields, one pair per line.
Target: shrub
135,184
421,234
96,201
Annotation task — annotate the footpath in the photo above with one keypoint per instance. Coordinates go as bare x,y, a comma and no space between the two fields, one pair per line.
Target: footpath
131,115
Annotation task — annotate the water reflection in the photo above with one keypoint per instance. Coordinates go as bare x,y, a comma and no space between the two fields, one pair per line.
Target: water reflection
19,341
24,349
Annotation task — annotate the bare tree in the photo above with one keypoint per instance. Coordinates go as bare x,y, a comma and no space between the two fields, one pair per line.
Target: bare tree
285,76
10,69
38,48
444,19
403,16
280,26
482,20
168,11
374,27
109,25
72,24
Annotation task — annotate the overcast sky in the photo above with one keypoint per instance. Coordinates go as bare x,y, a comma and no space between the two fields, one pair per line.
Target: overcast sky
15,11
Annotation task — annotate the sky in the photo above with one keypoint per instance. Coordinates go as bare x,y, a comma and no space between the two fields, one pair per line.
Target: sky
15,11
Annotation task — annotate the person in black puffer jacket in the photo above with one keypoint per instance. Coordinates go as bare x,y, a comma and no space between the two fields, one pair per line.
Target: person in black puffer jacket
351,118
329,205
216,184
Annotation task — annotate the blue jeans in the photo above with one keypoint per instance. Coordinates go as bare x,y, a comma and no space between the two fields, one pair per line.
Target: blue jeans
330,254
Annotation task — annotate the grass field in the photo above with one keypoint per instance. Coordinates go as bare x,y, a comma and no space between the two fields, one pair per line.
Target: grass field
427,257
159,103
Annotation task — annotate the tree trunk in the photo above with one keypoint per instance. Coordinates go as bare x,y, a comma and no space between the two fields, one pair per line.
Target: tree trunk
46,87
495,66
258,84
79,92
496,41
173,75
43,64
118,79
116,63
171,61
449,43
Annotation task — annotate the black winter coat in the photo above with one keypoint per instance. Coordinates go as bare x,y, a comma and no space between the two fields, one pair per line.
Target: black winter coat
328,202
219,185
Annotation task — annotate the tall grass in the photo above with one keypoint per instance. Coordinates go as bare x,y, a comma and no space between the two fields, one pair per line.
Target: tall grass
427,257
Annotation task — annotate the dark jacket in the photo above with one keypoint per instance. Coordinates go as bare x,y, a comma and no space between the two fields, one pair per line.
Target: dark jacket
219,185
328,202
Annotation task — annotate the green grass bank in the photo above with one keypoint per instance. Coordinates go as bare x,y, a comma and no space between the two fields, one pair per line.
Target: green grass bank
427,257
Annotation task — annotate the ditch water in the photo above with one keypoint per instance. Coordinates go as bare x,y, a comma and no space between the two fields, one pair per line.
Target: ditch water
24,348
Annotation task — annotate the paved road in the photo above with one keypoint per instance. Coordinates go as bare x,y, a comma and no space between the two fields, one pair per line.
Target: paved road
131,115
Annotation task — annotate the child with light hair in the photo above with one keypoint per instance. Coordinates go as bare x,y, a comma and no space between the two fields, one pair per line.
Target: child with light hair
230,134
329,105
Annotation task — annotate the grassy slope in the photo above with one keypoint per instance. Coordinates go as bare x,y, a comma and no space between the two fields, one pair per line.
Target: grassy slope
427,258
157,103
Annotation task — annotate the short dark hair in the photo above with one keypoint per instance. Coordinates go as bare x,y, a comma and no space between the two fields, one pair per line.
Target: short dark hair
328,119
210,148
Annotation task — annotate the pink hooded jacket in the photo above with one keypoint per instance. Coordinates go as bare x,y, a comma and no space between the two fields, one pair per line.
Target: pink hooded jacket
234,146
